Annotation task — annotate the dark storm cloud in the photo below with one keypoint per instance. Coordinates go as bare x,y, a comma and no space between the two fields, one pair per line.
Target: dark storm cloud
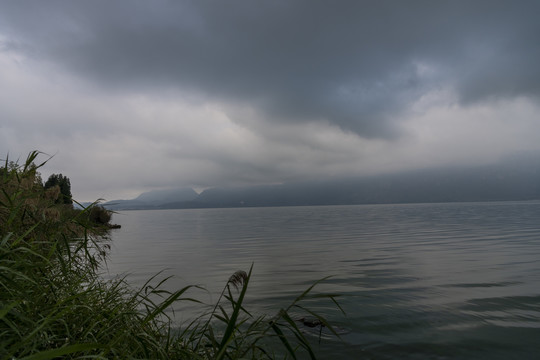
354,64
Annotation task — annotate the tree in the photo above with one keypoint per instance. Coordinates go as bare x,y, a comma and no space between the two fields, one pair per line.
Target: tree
65,188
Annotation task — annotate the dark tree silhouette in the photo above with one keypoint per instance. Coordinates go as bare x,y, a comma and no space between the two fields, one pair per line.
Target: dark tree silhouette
65,187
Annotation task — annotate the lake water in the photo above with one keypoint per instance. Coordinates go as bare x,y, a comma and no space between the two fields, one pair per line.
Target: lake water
421,281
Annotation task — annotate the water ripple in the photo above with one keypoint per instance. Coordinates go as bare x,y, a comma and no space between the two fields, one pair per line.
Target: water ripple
425,281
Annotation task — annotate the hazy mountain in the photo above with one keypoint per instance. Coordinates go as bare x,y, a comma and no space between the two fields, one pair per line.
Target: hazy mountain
516,179
153,199
165,196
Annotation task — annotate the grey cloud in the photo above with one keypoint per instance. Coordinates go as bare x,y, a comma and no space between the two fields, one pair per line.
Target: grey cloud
349,63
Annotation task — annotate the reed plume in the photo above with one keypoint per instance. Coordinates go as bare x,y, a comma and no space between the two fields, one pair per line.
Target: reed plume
238,279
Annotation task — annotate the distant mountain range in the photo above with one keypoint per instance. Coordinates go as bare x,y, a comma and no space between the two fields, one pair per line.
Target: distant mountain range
514,180
154,199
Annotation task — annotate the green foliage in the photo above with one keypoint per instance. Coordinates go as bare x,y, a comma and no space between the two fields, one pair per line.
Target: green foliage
54,303
240,335
65,187
99,215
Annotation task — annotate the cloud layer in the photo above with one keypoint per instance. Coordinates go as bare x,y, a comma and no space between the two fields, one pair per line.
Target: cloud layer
136,95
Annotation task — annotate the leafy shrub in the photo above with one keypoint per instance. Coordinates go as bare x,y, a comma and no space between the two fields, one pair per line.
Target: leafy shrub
99,215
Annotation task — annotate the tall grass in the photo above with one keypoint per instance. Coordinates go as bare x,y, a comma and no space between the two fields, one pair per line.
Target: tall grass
55,304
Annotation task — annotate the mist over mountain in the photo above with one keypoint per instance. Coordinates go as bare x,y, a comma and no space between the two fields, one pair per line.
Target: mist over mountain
415,187
168,195
153,199
515,179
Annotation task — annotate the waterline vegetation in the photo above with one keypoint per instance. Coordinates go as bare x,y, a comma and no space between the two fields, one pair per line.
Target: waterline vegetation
54,303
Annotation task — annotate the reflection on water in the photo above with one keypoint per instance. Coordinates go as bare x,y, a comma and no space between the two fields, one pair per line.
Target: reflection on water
440,281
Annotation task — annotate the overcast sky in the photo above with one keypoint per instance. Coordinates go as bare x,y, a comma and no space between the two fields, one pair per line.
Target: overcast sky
136,95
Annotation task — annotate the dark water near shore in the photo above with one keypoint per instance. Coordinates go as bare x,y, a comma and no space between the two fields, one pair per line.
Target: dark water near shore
423,281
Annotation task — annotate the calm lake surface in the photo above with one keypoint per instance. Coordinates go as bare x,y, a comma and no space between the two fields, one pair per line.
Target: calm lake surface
422,281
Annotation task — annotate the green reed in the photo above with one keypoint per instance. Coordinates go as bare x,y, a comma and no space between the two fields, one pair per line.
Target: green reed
54,303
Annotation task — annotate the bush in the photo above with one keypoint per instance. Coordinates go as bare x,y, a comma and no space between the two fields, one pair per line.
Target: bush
99,215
